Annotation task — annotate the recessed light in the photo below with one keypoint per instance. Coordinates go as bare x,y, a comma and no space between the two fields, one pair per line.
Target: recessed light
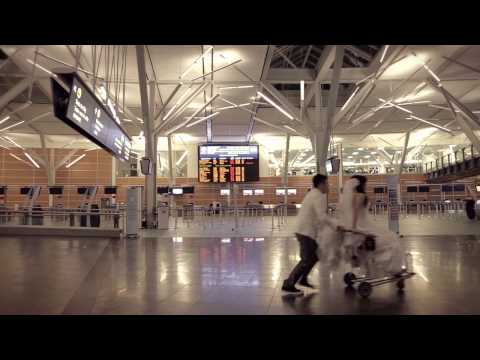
355,153
373,153
360,149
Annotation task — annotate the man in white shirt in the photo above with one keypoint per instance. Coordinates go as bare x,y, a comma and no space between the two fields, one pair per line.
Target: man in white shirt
311,218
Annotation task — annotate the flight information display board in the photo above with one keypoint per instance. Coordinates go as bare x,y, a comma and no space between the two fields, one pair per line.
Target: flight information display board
223,163
85,112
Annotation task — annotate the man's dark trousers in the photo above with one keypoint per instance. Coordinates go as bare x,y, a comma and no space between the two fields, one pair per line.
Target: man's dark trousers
308,259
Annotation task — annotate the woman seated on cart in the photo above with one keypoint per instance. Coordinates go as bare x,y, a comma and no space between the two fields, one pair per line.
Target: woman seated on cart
365,239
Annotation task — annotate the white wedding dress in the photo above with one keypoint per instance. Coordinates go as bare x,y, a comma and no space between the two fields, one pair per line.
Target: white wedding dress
335,246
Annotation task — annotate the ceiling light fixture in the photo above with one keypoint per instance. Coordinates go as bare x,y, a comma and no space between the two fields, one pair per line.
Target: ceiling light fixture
205,53
232,107
14,143
76,160
187,92
267,99
290,128
4,119
384,53
430,123
350,98
302,90
18,158
236,87
395,105
202,119
31,159
42,68
13,125
355,153
416,102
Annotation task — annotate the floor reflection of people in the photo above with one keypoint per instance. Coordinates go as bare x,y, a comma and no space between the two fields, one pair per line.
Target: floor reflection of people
301,304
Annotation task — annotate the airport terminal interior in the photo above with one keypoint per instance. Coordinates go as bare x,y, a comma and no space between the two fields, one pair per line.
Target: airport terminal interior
167,179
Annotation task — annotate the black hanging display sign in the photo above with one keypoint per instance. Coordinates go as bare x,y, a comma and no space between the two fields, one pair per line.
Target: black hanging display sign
77,106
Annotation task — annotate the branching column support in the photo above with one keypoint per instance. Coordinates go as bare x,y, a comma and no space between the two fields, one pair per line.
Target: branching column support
285,166
150,138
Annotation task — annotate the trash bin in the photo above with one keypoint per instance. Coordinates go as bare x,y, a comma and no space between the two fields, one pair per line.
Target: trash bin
116,221
94,219
3,214
83,219
37,215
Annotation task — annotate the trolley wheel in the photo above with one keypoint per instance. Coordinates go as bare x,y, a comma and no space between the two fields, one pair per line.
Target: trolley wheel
401,285
365,289
348,278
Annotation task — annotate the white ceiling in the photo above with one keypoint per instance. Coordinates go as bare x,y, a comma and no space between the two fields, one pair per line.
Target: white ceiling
171,61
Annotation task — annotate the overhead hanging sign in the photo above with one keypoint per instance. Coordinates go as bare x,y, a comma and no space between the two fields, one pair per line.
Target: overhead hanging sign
83,111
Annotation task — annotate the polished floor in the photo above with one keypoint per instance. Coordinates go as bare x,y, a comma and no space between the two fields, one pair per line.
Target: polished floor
220,276
410,225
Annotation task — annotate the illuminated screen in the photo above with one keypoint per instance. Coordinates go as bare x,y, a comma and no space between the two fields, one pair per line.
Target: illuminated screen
82,110
247,192
223,163
177,191
292,191
280,191
259,192
225,192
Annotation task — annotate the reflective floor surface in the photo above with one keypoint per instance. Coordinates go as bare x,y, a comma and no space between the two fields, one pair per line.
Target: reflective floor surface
220,276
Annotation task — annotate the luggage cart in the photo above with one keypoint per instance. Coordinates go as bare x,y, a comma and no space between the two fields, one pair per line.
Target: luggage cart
363,259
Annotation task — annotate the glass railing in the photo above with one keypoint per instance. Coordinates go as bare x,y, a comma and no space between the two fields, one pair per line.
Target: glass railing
457,157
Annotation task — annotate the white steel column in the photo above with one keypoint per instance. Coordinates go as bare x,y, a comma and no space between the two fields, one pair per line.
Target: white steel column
171,174
404,153
150,138
340,169
285,168
51,172
114,171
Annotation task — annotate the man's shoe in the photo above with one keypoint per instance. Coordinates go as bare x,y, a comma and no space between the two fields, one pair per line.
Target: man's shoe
291,289
305,283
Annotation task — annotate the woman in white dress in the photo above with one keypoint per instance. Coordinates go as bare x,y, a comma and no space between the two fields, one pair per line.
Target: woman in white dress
353,215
